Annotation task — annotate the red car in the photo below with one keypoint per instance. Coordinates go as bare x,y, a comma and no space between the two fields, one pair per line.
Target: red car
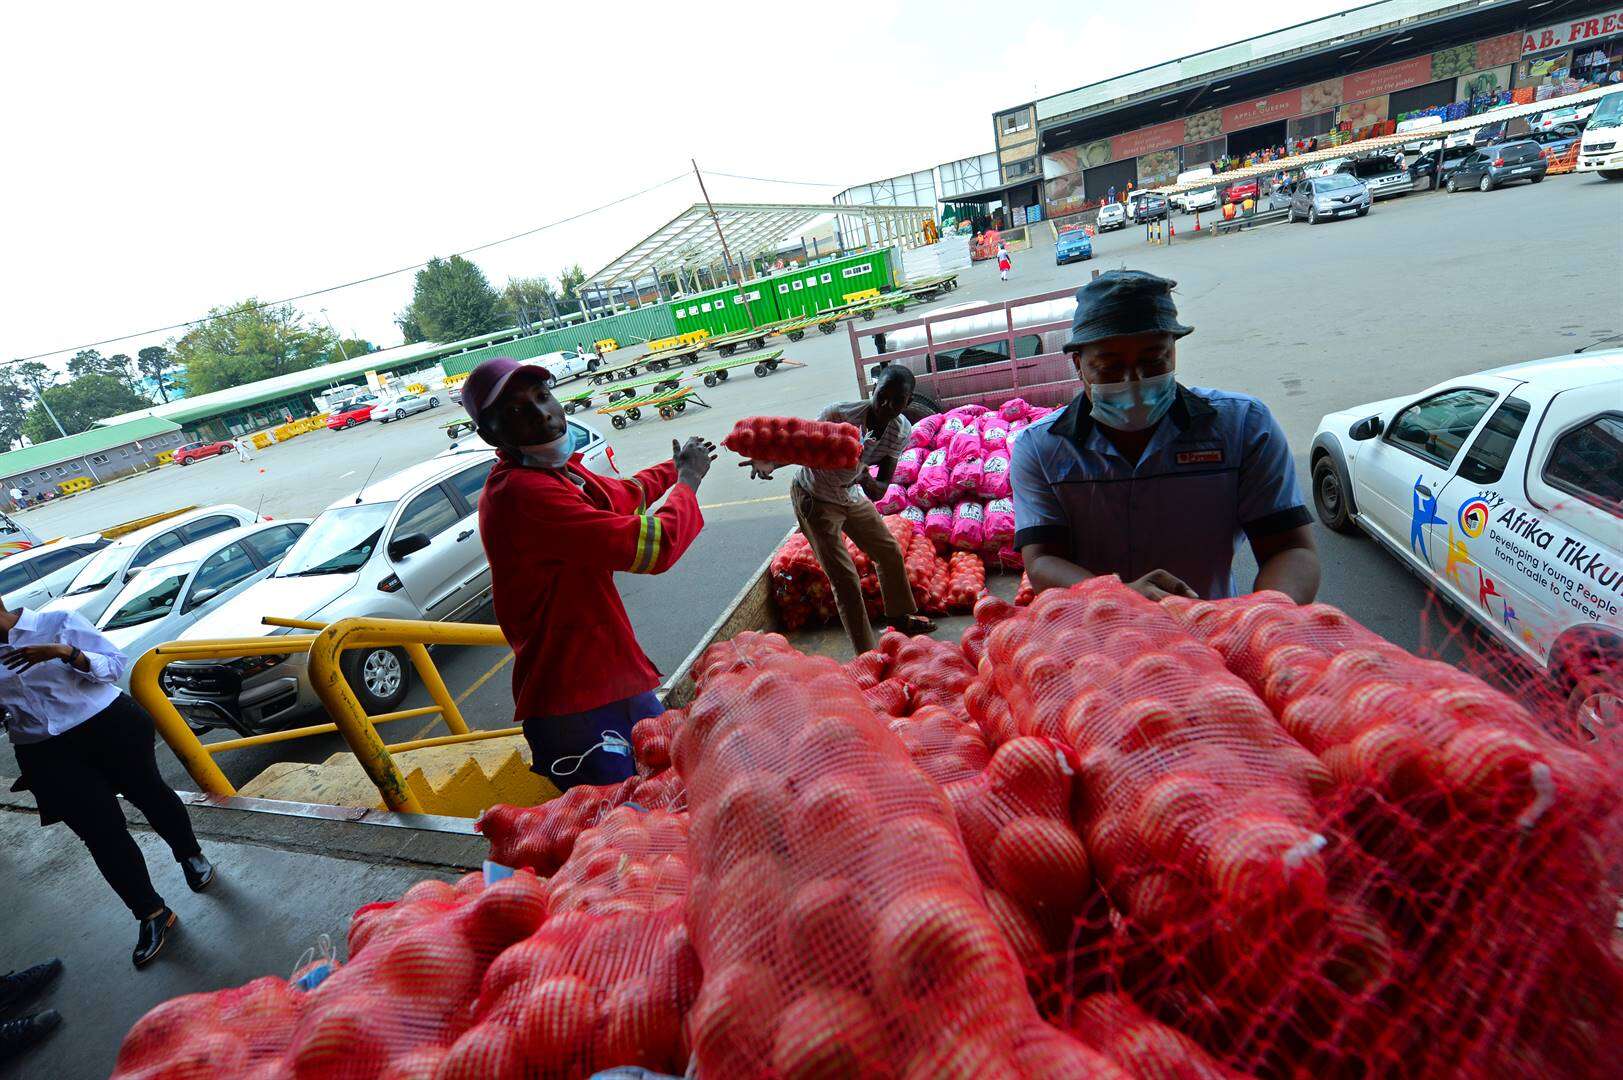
197,451
1238,193
349,414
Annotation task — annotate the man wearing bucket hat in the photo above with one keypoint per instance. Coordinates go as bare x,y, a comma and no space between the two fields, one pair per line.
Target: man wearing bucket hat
555,533
1150,480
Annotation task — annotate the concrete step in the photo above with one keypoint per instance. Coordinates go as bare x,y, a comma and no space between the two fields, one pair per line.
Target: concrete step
458,780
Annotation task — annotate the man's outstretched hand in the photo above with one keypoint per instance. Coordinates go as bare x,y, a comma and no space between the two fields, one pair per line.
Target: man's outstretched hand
759,470
692,460
1158,584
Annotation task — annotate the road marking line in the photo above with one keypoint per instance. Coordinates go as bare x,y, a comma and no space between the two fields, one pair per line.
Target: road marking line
460,698
746,502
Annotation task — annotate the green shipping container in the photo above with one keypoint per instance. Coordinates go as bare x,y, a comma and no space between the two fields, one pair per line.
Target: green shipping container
725,311
824,285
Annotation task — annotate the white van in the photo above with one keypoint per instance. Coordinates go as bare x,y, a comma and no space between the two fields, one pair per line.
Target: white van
1600,150
566,365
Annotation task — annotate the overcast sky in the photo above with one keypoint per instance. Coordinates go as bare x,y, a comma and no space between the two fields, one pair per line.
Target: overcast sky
165,158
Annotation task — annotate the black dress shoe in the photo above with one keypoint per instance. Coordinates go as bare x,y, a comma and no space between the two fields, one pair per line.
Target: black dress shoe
18,1035
154,931
19,986
198,870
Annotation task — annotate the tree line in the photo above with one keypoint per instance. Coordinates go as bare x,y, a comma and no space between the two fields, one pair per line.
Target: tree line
249,341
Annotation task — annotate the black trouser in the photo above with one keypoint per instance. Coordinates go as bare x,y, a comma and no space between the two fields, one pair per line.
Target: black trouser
77,776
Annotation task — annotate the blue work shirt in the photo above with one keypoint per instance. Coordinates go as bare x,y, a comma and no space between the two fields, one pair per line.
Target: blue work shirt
1216,469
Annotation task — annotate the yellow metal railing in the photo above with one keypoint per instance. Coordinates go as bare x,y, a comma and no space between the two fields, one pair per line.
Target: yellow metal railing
325,646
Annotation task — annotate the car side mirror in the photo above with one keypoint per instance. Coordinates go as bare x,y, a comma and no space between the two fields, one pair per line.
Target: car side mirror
1367,428
401,546
201,597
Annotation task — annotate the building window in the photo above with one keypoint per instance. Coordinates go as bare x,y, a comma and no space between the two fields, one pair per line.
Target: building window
1019,168
1009,123
99,459
827,278
64,470
797,285
783,289
705,307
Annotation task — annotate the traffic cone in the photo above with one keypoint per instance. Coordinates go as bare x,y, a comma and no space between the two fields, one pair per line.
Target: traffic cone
1197,220
1172,230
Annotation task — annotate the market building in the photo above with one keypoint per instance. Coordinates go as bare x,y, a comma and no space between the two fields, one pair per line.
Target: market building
94,456
1342,76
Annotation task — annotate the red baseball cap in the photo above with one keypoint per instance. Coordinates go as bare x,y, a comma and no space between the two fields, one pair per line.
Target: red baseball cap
486,382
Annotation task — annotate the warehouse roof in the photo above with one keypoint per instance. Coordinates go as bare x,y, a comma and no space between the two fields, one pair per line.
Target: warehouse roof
690,237
93,441
203,406
1249,53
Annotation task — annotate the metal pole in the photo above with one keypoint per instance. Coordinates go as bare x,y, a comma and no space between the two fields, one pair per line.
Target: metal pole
336,336
714,220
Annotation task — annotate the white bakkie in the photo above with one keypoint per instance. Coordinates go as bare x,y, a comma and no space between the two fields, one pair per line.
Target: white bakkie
1504,491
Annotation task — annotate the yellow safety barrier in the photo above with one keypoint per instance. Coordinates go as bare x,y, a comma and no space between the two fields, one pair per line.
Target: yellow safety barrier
860,295
324,647
166,458
692,337
76,485
261,440
359,729
603,345
457,379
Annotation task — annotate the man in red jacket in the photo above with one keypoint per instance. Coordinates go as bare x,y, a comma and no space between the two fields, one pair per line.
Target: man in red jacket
555,533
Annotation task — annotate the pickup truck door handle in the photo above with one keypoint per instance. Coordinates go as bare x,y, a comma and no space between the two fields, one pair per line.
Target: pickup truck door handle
463,535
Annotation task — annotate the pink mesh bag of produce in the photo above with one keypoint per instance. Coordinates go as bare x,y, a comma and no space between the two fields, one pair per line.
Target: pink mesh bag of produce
966,479
914,516
795,441
999,523
934,482
951,425
994,432
968,526
938,524
907,466
840,923
966,444
893,501
994,478
1014,409
926,430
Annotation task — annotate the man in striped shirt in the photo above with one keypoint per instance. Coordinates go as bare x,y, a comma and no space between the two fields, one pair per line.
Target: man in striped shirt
555,533
831,504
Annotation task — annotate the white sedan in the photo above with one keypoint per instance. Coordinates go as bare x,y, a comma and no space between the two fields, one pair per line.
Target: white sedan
164,599
1503,490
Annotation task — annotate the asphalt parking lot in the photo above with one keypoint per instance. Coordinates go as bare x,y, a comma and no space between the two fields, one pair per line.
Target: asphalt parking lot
1309,318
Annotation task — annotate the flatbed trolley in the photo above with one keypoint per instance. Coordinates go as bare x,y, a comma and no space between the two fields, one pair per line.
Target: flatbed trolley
764,363
577,400
669,403
650,384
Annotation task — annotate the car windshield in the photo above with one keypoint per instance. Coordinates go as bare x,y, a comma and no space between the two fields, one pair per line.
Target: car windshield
101,569
1608,113
338,542
151,595
1336,180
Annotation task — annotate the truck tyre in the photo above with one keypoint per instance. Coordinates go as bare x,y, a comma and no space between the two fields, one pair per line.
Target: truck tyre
1587,666
379,676
1611,174
551,380
592,365
1330,497
921,406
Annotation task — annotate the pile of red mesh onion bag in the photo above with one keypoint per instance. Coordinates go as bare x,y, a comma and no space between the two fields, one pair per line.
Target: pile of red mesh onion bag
943,581
1099,836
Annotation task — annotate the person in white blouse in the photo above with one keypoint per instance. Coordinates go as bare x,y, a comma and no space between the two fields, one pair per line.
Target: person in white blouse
80,742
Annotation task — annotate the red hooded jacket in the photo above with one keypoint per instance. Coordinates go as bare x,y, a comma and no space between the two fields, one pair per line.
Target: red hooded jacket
553,547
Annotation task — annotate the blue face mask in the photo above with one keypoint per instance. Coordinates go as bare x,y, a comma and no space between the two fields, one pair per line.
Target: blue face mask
1133,406
550,455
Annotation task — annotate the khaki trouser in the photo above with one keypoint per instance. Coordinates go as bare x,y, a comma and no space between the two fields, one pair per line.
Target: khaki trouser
823,523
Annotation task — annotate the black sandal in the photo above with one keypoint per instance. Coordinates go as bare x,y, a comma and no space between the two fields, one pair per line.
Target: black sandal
912,625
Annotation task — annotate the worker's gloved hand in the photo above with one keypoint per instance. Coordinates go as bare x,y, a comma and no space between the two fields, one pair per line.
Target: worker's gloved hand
759,470
692,460
1158,584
